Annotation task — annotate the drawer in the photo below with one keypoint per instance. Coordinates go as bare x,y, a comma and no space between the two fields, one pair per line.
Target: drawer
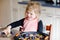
48,10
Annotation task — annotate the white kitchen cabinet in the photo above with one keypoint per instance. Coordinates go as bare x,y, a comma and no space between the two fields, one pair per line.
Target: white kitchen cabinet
21,11
51,15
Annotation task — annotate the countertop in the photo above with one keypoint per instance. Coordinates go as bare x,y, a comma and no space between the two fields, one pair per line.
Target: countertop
43,4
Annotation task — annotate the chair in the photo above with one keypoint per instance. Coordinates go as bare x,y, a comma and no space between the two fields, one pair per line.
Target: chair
48,29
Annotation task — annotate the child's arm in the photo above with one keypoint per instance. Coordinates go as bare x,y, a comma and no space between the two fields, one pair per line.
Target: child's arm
16,23
7,30
40,27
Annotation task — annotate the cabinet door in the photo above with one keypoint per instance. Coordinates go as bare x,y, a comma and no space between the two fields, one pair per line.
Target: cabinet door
57,12
48,11
21,11
14,10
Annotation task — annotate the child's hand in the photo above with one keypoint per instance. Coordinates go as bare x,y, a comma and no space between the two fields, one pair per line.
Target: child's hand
46,38
21,28
7,30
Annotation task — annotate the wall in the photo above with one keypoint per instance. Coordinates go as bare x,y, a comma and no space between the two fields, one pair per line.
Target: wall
23,0
5,12
8,12
0,12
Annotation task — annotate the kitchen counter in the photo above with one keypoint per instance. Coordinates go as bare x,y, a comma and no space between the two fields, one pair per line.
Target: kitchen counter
43,4
5,38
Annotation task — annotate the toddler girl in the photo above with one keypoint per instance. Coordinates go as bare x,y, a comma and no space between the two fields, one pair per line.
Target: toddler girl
31,23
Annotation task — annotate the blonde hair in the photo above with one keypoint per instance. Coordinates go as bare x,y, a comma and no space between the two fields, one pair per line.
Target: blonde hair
34,6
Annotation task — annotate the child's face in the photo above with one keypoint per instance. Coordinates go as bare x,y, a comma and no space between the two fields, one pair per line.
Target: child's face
30,14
